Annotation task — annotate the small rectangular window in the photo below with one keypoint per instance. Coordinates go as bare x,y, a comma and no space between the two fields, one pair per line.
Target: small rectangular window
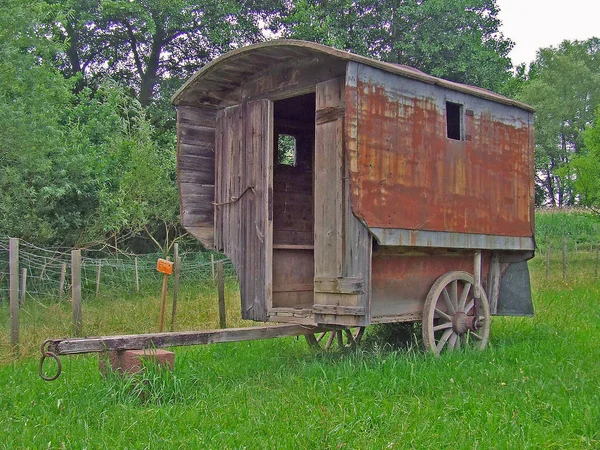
286,150
454,121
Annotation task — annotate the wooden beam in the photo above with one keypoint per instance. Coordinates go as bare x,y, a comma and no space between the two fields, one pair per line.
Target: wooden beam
161,340
13,253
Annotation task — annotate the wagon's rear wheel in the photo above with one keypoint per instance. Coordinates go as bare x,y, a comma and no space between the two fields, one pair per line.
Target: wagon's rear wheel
450,321
347,338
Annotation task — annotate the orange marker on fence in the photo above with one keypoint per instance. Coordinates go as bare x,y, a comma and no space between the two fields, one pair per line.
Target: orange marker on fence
163,266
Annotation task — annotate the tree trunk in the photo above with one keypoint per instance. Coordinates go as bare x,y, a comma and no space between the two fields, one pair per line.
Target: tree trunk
149,77
73,55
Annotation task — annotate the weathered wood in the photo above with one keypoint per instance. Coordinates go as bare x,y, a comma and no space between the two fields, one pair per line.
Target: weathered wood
221,294
137,276
76,291
216,80
329,185
23,287
285,80
339,285
494,283
548,262
177,272
98,274
163,301
196,170
61,283
293,247
342,244
340,310
212,266
564,259
477,275
13,260
244,193
162,340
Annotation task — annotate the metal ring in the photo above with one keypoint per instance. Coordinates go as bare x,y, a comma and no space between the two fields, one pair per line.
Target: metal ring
46,354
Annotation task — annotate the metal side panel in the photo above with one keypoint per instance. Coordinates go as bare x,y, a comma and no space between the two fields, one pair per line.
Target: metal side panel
515,291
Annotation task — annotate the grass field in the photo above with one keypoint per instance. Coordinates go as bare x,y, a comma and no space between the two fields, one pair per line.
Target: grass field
537,385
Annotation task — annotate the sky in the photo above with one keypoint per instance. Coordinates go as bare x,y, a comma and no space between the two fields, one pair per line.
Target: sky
532,24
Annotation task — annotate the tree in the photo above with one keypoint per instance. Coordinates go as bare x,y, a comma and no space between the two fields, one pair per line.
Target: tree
143,42
586,167
458,40
564,87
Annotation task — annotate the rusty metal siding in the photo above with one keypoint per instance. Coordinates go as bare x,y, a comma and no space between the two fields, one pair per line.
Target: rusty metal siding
406,174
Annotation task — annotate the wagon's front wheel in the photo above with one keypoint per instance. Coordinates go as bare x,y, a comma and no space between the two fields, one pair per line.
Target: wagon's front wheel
452,317
347,338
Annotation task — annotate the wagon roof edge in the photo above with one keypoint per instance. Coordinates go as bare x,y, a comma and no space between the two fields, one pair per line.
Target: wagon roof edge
319,49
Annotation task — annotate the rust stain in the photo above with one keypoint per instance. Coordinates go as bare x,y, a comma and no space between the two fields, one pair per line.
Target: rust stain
405,172
408,277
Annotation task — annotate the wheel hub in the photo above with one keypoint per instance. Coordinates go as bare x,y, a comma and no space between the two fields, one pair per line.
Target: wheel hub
461,323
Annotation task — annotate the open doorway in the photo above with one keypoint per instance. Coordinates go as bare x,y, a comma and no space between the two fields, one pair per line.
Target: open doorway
293,205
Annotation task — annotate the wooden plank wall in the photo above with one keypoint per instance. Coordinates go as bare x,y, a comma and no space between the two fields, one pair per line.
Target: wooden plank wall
196,170
342,243
244,214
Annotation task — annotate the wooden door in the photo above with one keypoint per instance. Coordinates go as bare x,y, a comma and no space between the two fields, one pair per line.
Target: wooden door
243,200
342,243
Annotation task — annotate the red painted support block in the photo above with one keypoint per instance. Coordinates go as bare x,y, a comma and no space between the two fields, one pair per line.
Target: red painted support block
132,361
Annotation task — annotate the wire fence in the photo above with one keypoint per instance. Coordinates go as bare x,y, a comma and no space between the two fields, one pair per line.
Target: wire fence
48,270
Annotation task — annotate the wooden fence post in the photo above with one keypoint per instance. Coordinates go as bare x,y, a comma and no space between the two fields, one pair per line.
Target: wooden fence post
596,272
23,288
76,289
564,259
137,277
98,278
177,260
548,262
13,258
163,301
212,265
63,275
221,291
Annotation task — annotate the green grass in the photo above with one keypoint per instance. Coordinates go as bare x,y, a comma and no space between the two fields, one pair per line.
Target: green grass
537,385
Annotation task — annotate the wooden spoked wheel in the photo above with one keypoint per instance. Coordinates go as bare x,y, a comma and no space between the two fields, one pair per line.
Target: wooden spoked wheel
347,338
450,321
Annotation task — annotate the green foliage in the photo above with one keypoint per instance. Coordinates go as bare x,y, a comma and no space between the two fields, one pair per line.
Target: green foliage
536,386
564,87
458,40
586,167
580,226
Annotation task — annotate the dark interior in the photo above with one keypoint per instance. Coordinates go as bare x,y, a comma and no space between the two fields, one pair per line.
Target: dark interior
293,203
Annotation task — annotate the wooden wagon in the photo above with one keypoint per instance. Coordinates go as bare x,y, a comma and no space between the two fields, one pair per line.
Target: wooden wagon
348,191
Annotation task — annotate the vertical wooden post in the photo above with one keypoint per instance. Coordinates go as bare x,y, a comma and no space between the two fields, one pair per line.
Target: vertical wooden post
477,275
23,288
221,291
163,301
177,267
137,276
597,251
13,259
548,262
98,278
564,259
63,275
212,265
76,290
575,245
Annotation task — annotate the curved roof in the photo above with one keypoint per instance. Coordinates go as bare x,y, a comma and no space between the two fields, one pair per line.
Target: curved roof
224,74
